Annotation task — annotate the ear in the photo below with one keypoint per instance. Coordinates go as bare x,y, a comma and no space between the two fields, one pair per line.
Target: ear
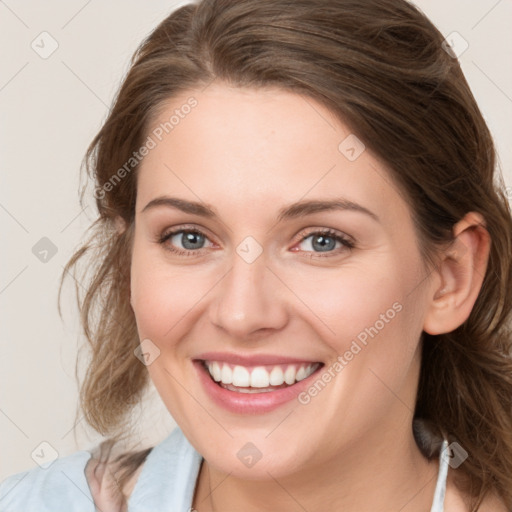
459,276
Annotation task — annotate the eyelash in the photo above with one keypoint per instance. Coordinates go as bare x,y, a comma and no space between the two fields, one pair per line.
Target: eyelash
348,243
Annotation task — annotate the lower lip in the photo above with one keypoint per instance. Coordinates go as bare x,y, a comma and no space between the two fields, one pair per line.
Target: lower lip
250,403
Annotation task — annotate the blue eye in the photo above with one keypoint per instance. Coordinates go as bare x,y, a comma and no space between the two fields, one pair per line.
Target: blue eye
190,240
325,241
320,243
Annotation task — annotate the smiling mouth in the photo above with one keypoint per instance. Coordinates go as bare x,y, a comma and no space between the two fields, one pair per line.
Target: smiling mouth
258,379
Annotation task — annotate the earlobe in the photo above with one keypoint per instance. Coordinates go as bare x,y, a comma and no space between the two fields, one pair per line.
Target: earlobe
460,275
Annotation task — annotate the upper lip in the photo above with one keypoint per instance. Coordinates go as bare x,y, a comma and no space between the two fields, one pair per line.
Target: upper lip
251,360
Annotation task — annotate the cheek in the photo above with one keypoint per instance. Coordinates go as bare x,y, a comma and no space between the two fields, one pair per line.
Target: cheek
374,326
161,303
349,302
369,315
163,297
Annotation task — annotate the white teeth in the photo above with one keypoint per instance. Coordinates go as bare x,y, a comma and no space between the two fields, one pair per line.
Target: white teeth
241,377
259,377
289,375
215,371
226,375
301,374
276,376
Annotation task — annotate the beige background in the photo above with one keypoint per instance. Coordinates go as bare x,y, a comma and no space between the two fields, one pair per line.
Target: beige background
50,110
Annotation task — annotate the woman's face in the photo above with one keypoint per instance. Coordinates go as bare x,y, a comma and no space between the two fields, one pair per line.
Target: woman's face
291,248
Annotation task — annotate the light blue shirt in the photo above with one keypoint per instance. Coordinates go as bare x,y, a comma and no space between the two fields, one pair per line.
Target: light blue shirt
165,484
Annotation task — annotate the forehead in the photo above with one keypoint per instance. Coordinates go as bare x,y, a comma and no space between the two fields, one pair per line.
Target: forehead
259,147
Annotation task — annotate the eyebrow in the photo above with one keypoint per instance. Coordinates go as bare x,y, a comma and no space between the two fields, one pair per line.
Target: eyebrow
292,211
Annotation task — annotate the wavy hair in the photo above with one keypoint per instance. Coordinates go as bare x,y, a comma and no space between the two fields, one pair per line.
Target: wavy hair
380,67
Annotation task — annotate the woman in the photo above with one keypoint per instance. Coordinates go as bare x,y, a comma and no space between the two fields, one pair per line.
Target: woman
301,244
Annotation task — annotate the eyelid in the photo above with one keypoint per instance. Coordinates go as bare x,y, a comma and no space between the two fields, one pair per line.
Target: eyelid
185,227
305,233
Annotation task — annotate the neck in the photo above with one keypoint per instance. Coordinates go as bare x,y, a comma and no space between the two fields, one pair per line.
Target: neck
386,466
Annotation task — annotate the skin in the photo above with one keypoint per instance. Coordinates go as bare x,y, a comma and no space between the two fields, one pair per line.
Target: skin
248,153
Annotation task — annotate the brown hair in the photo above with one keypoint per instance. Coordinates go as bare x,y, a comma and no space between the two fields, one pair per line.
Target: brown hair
379,65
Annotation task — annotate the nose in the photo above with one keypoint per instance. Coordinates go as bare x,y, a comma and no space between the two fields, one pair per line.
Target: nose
249,300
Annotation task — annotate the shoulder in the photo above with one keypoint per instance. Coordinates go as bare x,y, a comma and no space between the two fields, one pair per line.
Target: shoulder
62,484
